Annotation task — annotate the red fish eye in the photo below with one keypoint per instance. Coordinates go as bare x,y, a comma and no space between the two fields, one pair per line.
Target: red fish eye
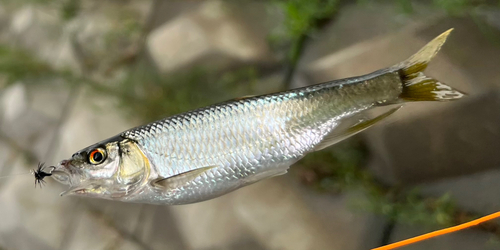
97,156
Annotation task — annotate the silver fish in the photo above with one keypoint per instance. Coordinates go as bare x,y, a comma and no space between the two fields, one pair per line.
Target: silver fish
208,152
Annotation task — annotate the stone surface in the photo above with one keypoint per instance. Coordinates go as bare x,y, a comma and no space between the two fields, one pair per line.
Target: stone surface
214,35
14,102
41,31
148,226
459,141
349,226
210,224
7,156
91,232
491,16
40,216
159,229
48,97
21,123
477,192
92,119
473,47
280,219
358,22
439,146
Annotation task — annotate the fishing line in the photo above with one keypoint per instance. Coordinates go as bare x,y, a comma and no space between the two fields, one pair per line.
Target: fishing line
13,175
439,232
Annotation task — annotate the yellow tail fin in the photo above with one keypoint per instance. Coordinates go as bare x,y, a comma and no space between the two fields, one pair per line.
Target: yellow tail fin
419,87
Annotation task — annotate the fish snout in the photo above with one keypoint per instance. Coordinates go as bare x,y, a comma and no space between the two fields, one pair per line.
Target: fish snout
62,172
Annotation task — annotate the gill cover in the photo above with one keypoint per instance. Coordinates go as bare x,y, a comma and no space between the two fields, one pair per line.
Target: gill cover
134,165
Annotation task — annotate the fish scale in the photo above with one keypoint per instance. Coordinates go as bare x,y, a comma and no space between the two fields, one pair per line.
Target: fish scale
280,125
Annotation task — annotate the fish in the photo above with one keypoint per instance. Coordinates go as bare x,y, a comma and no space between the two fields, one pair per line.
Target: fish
211,151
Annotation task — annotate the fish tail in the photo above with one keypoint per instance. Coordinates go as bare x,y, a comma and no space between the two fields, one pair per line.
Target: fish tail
419,87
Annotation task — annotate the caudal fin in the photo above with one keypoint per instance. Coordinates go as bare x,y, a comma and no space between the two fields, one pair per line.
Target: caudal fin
419,87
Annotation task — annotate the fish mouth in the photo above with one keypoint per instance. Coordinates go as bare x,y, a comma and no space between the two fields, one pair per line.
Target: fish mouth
63,174
62,177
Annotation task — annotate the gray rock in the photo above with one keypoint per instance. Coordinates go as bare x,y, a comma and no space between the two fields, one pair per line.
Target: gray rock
93,118
159,229
48,98
21,123
210,224
40,217
459,141
358,22
491,16
215,35
91,232
426,141
164,11
13,102
472,48
5,16
18,238
477,192
146,226
350,227
243,245
28,128
41,31
123,216
381,52
278,217
7,156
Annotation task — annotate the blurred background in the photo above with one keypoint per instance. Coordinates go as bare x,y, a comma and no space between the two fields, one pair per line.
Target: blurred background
74,72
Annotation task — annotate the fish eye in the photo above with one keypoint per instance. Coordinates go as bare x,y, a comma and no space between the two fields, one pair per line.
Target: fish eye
97,156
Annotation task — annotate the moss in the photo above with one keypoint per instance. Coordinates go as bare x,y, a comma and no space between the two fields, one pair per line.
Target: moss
340,168
158,96
17,64
451,7
301,16
335,169
70,9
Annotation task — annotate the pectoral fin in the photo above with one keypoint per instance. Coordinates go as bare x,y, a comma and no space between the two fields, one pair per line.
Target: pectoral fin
180,179
344,132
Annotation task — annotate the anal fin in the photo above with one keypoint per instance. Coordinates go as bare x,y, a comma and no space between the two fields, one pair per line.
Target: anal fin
266,175
343,132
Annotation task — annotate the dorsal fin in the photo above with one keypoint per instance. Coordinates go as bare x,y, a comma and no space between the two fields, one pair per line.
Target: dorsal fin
243,97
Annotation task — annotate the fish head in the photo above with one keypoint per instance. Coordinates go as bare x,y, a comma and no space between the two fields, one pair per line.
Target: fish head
113,169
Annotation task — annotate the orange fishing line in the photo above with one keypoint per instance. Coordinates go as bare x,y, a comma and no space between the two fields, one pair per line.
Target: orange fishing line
439,232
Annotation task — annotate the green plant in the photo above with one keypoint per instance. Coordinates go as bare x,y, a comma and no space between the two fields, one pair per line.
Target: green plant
17,64
451,7
301,16
158,96
70,9
340,169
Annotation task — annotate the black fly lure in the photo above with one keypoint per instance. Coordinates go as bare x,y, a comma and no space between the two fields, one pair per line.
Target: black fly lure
40,174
